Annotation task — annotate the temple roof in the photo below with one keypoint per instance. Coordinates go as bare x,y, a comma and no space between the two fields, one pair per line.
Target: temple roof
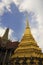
6,43
12,45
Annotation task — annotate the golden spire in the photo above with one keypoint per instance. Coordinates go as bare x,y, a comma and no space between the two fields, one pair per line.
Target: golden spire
27,30
27,23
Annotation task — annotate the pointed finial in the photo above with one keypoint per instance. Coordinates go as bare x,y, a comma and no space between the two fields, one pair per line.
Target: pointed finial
5,36
27,22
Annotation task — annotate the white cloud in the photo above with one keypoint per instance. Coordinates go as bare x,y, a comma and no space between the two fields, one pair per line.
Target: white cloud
2,30
10,33
11,37
1,8
5,4
38,35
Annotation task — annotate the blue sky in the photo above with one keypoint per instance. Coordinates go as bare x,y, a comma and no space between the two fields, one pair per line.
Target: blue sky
13,15
14,21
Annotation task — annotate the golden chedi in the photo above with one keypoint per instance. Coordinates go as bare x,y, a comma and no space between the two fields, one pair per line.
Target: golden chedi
28,51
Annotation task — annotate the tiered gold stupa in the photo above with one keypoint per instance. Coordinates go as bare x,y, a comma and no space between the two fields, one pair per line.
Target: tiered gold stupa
28,46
